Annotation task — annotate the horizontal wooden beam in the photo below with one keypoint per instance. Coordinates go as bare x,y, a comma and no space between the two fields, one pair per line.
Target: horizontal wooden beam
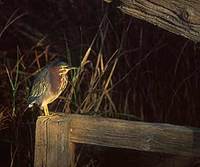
181,17
153,137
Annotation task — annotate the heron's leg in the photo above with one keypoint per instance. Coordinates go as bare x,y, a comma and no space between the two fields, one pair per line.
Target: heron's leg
46,111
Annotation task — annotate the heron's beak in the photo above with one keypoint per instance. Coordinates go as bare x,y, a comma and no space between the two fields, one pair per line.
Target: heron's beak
65,69
69,67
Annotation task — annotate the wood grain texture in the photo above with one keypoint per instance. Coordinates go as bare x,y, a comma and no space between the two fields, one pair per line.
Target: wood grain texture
40,144
56,135
52,146
181,17
153,137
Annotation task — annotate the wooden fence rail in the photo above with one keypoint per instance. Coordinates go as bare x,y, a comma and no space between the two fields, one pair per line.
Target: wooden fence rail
181,17
56,136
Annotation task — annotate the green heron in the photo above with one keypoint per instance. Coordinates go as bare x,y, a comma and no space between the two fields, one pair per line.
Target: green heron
49,84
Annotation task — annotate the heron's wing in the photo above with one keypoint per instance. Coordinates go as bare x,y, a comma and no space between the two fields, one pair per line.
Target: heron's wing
39,87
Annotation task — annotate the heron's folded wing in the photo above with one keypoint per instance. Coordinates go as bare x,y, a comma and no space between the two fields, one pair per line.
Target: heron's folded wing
39,87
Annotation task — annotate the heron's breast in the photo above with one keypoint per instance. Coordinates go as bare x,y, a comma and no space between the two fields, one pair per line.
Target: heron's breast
56,80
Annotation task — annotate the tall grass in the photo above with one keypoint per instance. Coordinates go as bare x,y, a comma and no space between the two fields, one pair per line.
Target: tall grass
95,75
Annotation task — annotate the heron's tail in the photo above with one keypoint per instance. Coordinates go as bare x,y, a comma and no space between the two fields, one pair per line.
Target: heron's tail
31,102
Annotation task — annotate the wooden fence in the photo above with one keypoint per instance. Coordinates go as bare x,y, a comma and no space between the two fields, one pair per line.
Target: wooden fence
181,17
57,135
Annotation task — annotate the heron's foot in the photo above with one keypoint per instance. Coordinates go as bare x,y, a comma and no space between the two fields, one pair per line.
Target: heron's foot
52,113
45,120
49,114
47,117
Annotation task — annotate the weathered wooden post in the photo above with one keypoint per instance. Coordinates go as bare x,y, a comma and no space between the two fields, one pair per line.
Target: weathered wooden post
52,145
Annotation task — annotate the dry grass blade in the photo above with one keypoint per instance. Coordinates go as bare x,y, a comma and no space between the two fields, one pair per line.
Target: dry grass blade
4,117
111,74
10,80
46,54
85,58
105,91
11,20
13,155
111,102
37,59
38,56
68,53
14,81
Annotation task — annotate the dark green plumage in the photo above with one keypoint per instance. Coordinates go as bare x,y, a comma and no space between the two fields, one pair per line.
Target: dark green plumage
48,84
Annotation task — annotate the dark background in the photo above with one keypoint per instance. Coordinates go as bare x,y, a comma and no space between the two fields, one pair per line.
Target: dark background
162,72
